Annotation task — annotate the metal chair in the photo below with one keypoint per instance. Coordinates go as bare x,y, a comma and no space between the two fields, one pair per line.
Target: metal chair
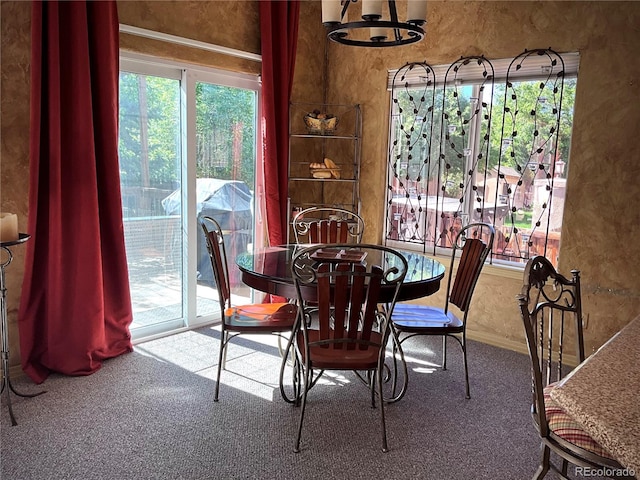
550,305
470,248
327,225
348,331
262,318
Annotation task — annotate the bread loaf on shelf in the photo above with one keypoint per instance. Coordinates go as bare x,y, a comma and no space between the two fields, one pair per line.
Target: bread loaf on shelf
326,169
321,173
333,168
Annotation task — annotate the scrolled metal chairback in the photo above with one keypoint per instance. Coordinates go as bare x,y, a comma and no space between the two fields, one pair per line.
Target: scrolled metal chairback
304,267
547,286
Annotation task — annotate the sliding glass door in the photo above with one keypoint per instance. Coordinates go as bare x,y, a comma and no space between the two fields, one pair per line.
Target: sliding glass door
188,148
225,179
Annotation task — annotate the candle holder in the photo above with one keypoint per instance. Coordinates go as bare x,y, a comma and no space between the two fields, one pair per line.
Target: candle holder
4,331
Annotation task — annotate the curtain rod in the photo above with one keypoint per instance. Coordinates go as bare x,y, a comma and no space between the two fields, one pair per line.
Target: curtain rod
165,37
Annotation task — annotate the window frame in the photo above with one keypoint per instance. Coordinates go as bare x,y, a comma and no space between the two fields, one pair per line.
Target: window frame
501,75
189,75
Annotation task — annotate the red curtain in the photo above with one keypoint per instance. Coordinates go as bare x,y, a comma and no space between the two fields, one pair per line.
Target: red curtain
75,308
279,34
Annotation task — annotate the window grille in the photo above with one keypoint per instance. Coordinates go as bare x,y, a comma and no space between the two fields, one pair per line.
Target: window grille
481,140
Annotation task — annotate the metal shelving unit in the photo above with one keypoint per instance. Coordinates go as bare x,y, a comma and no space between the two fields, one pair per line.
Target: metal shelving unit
341,145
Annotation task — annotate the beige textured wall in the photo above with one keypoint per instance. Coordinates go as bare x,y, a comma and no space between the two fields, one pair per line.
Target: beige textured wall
14,160
601,216
603,194
230,24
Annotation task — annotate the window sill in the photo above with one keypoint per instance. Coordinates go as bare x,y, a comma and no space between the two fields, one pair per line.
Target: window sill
496,269
503,271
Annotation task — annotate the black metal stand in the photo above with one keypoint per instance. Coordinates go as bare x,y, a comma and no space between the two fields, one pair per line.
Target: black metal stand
4,332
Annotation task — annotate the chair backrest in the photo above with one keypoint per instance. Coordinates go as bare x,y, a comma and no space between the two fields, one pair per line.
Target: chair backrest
548,302
470,250
327,225
348,293
218,255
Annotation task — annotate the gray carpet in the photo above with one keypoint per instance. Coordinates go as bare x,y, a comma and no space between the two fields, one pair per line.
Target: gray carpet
150,415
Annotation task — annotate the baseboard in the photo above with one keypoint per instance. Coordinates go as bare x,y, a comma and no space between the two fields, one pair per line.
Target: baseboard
495,341
520,347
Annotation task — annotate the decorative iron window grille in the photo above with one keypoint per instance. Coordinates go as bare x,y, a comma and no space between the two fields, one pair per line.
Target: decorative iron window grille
481,140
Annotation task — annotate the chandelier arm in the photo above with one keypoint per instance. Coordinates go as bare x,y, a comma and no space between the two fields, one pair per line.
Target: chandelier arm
393,11
345,7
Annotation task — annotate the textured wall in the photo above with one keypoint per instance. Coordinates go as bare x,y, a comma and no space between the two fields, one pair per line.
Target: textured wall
226,23
232,24
14,160
602,205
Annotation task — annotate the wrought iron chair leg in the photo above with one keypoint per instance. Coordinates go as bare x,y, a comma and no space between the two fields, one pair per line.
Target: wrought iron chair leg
221,356
395,353
289,351
314,379
390,374
544,465
304,404
378,374
297,380
444,352
372,387
224,350
466,367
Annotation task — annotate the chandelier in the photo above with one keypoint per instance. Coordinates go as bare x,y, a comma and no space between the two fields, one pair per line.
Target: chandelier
365,27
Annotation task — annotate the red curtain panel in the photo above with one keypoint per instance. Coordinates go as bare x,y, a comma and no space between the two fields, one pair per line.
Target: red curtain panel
279,34
75,308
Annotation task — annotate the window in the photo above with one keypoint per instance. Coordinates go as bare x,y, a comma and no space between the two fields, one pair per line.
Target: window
481,140
188,147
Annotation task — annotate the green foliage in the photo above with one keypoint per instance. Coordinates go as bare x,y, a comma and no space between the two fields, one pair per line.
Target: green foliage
225,132
532,132
149,137
150,132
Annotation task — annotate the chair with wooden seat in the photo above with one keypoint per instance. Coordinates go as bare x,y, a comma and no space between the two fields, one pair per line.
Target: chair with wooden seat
470,249
349,331
551,310
261,318
327,225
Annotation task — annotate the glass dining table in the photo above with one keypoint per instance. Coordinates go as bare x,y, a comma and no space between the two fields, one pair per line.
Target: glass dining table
269,271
